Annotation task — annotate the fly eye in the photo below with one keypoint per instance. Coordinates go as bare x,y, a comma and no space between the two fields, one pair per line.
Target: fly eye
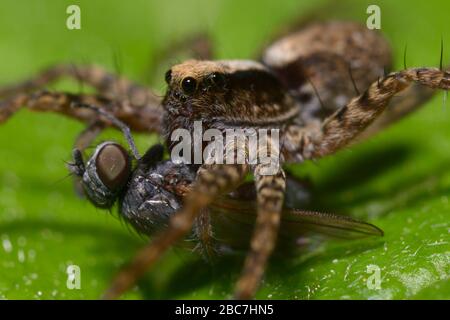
113,166
217,79
168,76
189,85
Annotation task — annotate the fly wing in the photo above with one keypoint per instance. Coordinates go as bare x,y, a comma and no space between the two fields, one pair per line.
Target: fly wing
295,223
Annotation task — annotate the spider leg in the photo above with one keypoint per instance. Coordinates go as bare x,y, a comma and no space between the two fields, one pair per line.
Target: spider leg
106,83
409,101
211,181
270,195
82,142
88,135
345,124
204,232
139,119
140,102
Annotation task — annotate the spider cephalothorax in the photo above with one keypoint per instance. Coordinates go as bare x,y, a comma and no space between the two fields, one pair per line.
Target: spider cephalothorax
224,94
322,87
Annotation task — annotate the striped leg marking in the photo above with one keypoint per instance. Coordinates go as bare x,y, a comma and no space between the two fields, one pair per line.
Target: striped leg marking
270,196
344,125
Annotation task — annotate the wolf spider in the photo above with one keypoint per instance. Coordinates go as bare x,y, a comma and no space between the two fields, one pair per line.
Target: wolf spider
306,84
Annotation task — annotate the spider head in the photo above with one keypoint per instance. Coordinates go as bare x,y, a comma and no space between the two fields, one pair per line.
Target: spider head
105,174
191,81
218,93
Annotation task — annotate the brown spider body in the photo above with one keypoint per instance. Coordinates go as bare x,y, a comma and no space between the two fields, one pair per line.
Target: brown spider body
287,89
322,86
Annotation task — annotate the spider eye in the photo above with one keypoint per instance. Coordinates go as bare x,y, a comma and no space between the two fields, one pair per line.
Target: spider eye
189,85
168,76
217,79
113,166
